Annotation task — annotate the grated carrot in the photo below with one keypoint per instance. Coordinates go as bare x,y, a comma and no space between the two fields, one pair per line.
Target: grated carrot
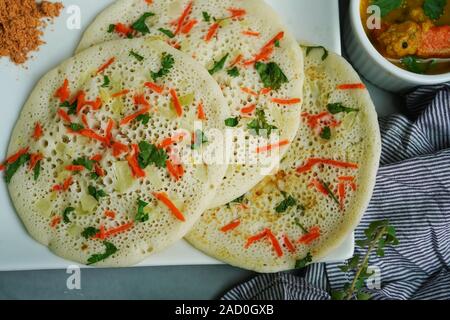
118,148
176,171
97,157
272,146
183,17
237,12
74,168
17,155
37,133
212,32
201,112
248,109
286,102
110,214
105,234
289,245
351,86
275,243
176,102
313,234
231,226
310,163
99,170
154,87
34,159
249,91
107,64
123,29
189,26
237,60
63,93
120,93
134,164
55,221
162,197
250,33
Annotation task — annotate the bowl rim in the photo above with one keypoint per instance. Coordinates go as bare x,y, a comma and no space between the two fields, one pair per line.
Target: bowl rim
355,16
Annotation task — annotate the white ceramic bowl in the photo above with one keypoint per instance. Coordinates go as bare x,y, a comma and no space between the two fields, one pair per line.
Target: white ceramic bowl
373,66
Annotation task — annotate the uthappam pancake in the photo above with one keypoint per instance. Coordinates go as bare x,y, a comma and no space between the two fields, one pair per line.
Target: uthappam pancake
322,189
249,52
98,169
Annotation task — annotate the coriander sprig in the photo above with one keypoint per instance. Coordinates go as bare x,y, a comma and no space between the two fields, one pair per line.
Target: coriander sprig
379,235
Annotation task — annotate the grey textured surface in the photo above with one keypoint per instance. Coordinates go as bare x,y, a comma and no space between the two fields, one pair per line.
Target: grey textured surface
183,282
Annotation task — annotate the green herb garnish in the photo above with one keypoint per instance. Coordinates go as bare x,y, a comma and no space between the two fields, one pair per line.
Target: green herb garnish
330,192
206,16
416,65
434,9
136,55
66,213
234,72
37,170
85,162
111,28
326,133
260,126
271,75
301,226
110,249
140,24
89,232
143,118
141,215
167,62
335,108
232,122
97,194
106,82
76,127
387,6
218,65
167,32
12,168
71,108
300,264
379,235
284,205
150,154
325,51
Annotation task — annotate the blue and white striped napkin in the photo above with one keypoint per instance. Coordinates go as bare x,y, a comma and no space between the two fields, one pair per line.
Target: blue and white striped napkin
413,193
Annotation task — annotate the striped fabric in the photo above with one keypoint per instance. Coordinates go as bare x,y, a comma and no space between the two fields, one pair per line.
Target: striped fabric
413,193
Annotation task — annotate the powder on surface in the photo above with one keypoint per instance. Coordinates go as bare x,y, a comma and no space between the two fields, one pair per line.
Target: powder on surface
21,24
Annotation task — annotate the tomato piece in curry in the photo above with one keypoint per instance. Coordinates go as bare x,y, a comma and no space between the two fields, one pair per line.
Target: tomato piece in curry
414,34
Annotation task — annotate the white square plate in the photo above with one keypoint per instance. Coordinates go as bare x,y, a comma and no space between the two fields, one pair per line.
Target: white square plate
312,21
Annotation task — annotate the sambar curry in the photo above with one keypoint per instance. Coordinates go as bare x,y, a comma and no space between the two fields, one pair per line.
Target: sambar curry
414,34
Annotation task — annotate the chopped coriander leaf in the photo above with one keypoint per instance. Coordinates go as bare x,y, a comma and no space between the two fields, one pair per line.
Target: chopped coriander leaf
94,176
167,32
76,127
37,171
111,28
271,75
97,194
110,249
167,62
150,154
140,24
234,72
141,215
66,213
136,55
85,162
218,65
335,108
300,225
300,264
387,6
71,108
325,51
277,43
143,118
326,133
106,82
416,65
200,138
284,205
89,232
206,16
434,9
260,126
330,192
12,168
232,122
